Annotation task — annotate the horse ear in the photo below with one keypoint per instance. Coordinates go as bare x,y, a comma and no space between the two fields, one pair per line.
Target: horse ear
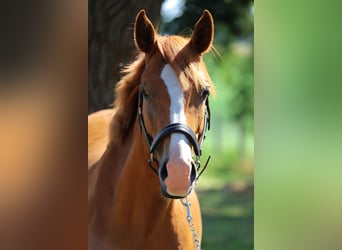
144,33
203,35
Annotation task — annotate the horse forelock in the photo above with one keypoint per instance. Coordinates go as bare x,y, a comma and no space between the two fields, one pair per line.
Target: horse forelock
186,63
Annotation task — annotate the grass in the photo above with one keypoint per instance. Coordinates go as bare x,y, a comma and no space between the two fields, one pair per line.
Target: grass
228,220
226,195
226,192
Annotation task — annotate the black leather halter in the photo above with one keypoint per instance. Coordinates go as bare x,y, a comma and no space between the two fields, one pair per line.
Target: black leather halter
153,143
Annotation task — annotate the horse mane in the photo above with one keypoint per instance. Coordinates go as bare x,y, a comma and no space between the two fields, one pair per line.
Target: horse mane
126,99
185,62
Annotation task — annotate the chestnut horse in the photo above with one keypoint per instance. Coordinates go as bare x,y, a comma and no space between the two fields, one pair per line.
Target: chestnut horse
160,116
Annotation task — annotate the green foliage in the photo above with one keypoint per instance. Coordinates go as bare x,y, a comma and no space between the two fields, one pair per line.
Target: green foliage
228,217
233,17
233,76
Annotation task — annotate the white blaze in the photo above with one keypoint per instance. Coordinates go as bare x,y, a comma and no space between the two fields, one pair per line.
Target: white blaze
179,144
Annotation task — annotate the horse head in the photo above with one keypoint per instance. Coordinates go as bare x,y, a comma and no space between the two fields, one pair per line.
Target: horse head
173,101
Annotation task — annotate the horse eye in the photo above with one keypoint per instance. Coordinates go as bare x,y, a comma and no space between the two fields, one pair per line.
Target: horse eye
145,95
205,94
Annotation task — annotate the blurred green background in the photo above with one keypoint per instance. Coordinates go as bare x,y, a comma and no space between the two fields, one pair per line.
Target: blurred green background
226,189
298,121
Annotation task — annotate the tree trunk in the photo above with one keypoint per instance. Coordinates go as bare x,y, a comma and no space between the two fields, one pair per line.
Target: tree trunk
111,45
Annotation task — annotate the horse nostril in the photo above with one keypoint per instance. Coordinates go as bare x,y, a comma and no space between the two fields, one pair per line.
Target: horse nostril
163,171
193,174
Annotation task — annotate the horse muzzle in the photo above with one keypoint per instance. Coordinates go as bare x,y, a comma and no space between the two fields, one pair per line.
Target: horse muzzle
177,178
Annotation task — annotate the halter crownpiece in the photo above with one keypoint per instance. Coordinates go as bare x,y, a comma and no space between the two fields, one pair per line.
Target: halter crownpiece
153,143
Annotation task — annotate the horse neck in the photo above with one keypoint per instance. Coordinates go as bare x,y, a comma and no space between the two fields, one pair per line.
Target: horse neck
135,203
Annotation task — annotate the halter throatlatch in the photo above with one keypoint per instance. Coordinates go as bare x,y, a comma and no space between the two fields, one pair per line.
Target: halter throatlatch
181,128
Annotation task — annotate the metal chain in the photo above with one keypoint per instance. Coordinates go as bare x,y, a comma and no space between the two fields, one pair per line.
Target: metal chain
189,219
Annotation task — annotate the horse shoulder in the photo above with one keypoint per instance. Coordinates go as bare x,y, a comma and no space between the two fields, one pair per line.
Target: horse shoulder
98,134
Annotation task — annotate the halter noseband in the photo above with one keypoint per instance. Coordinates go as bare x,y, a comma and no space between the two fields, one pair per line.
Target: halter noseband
181,128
